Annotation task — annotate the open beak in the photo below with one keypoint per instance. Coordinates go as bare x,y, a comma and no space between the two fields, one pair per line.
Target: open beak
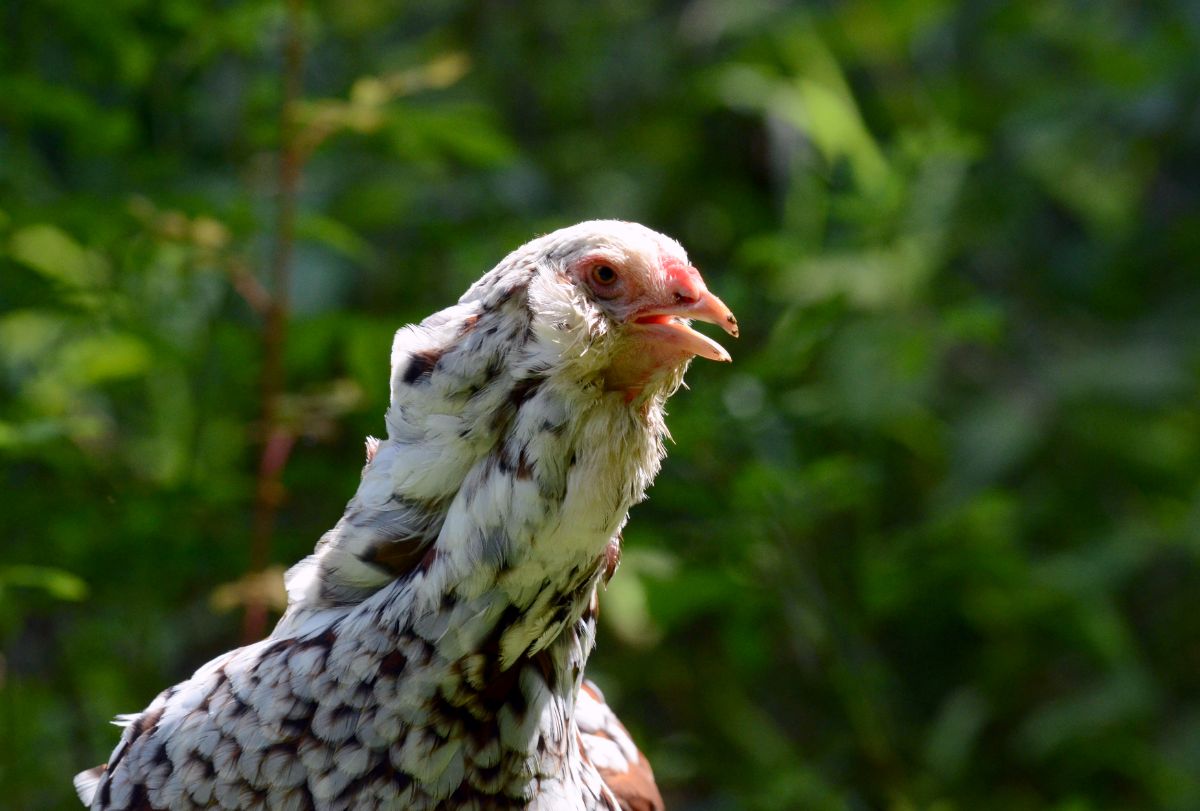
670,328
659,334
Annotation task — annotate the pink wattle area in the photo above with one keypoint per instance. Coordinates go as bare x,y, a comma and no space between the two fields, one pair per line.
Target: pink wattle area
656,343
645,353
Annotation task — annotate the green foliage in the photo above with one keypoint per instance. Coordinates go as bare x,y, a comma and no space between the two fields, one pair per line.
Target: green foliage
929,544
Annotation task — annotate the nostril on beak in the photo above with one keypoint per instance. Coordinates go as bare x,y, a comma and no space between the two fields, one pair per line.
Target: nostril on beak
686,292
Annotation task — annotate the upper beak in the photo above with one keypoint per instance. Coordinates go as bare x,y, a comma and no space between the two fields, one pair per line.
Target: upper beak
692,301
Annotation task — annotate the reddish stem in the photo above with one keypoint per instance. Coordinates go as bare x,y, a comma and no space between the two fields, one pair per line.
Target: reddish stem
277,439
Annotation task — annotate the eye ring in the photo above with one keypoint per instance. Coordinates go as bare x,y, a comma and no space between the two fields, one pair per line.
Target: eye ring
603,275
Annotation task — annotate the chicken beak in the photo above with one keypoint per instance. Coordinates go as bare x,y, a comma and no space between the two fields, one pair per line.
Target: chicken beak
660,333
692,301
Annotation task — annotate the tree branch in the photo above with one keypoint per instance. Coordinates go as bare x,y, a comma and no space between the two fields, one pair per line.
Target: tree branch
277,438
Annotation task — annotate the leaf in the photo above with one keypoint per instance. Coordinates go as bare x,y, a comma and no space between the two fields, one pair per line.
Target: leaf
51,252
100,358
335,235
27,336
15,436
57,583
955,730
625,607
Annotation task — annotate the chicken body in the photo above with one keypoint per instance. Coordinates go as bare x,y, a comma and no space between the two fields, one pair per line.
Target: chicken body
433,651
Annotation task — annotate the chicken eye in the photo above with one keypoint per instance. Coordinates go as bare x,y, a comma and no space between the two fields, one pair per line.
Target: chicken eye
603,275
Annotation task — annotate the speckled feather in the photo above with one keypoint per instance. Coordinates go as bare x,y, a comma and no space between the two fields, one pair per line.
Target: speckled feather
433,650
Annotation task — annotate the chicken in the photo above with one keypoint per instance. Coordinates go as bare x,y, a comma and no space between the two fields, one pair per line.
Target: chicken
433,649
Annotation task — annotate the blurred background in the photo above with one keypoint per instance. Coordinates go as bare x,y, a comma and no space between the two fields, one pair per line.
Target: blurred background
930,543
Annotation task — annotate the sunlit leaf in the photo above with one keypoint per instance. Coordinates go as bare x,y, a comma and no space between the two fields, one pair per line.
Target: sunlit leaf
53,253
60,584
